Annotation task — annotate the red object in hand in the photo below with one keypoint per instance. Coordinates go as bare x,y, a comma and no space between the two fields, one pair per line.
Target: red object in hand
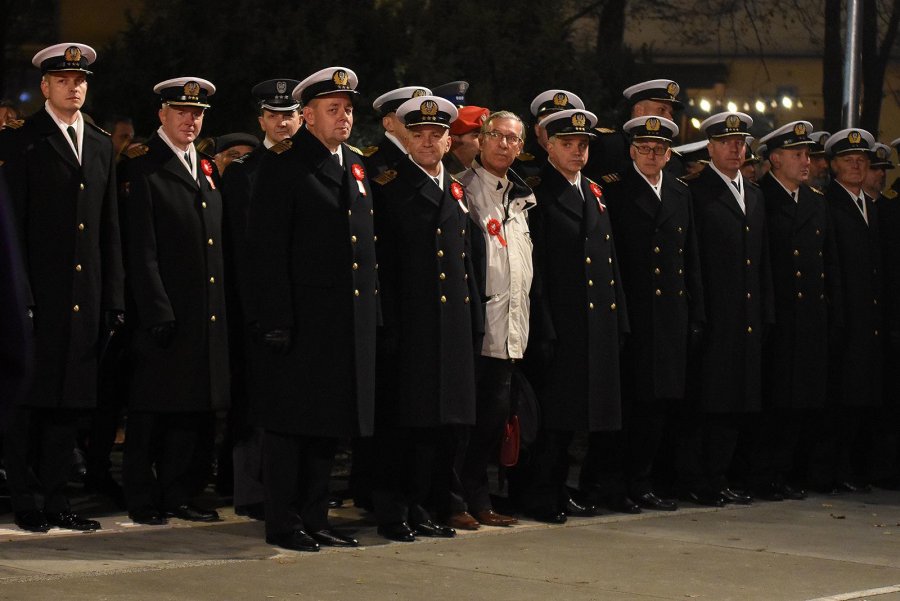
358,172
493,228
206,166
456,190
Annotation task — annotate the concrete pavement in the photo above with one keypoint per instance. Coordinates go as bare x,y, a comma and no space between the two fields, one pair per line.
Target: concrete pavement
826,548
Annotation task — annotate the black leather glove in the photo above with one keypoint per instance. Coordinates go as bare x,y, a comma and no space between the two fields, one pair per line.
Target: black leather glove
163,333
277,340
113,320
695,336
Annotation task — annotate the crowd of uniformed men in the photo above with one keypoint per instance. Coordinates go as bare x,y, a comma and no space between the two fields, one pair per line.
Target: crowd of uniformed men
449,300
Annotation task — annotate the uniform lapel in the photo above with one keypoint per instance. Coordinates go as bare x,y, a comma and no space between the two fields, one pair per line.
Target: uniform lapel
806,206
723,192
668,204
55,137
590,205
449,204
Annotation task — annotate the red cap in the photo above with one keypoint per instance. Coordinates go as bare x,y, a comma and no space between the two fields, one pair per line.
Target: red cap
470,118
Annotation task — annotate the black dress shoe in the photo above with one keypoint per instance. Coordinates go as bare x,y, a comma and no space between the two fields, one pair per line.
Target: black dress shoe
193,514
789,492
735,497
335,503
399,531
71,521
704,498
622,504
548,516
429,528
254,511
585,511
148,516
32,521
648,500
772,492
295,540
330,538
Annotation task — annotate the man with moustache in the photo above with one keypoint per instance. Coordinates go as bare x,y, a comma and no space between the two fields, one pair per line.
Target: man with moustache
730,219
392,145
649,210
807,295
578,316
432,319
61,174
855,385
315,296
172,213
279,119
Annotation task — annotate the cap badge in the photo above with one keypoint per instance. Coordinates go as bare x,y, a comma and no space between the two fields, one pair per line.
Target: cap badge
854,137
672,89
73,54
192,89
560,99
579,120
281,87
881,153
429,108
340,78
800,129
733,122
652,124
418,92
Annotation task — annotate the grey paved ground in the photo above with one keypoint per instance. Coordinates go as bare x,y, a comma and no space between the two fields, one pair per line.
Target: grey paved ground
825,548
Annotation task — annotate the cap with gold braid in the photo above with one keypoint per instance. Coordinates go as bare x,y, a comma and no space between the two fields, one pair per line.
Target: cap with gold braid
652,128
427,110
570,122
330,80
185,91
727,123
70,56
551,101
795,133
849,140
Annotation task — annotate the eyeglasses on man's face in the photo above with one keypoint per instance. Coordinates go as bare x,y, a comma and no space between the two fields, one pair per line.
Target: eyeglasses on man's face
657,150
496,136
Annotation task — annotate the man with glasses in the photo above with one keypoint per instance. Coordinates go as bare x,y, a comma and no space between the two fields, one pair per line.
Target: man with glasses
807,305
578,313
855,386
652,217
173,233
499,202
730,219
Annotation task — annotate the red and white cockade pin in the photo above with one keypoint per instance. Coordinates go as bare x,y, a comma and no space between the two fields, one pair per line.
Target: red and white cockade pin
598,194
207,169
359,173
494,229
456,190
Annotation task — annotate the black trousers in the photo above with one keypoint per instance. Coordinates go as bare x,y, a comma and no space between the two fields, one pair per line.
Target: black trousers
841,451
414,470
37,449
247,460
297,472
492,409
773,440
160,458
706,448
545,485
621,462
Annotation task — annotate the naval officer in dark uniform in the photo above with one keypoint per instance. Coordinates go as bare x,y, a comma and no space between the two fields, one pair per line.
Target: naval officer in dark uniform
61,174
313,273
392,145
533,157
652,217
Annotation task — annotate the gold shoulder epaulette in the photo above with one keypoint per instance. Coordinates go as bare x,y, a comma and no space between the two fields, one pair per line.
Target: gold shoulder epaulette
282,146
533,181
98,128
681,181
890,193
15,124
816,190
385,177
136,151
610,177
355,149
368,151
526,156
689,177
605,130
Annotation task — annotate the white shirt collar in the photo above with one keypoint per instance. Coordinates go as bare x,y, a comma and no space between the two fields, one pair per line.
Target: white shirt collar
191,150
739,179
396,141
440,174
268,143
78,124
657,187
790,193
861,196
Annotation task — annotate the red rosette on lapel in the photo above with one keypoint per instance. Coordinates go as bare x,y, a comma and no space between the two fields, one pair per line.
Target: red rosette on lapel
598,194
494,229
207,169
360,174
456,190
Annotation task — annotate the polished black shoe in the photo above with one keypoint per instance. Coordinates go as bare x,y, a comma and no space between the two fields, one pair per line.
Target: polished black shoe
147,516
735,497
548,516
254,511
429,528
32,521
71,521
193,514
399,531
330,538
772,492
789,492
648,500
295,540
848,486
335,503
578,510
622,504
704,498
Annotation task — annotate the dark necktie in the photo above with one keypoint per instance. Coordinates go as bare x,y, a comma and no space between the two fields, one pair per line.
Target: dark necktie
794,196
336,159
187,159
859,203
71,132
736,185
437,182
